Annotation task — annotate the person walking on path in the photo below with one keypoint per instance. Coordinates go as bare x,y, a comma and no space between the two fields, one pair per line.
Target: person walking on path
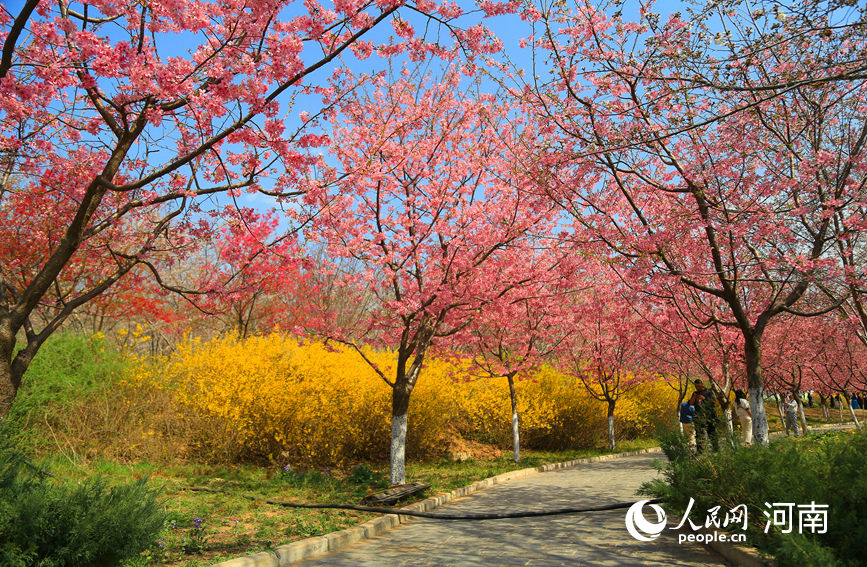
790,407
705,417
745,416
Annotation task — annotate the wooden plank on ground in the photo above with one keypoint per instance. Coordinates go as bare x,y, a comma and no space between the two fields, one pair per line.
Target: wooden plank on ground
395,493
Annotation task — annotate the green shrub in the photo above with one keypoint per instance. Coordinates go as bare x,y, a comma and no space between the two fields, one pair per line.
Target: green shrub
50,523
362,474
825,469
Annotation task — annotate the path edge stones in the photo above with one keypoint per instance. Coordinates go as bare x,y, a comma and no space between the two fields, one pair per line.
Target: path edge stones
302,549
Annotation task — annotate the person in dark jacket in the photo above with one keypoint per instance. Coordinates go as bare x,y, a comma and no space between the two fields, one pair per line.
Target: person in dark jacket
705,419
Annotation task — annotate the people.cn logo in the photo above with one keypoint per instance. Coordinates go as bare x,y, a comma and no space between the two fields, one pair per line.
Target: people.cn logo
638,527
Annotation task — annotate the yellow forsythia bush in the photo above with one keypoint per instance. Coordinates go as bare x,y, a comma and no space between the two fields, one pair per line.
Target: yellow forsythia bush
556,412
645,409
278,398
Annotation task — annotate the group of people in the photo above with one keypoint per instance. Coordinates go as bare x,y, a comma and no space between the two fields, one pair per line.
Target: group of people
856,400
700,411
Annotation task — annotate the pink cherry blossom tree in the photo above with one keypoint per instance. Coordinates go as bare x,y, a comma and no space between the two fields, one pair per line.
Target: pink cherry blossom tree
253,273
687,351
835,360
514,337
688,180
607,348
121,122
429,199
791,349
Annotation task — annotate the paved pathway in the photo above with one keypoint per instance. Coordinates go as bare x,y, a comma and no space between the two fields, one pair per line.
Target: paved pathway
593,539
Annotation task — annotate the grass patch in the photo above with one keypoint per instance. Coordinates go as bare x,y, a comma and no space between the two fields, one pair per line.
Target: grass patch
68,368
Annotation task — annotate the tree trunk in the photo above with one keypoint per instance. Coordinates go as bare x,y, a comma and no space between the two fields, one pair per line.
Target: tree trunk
8,383
730,428
399,409
725,400
611,443
8,390
801,415
405,379
854,417
753,356
516,429
779,399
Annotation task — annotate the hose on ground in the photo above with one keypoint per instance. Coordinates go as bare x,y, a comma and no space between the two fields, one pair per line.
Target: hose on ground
398,511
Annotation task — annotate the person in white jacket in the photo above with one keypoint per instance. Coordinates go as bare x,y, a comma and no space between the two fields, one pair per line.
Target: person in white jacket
745,416
790,408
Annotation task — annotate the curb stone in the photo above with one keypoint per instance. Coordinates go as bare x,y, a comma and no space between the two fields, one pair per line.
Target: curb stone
296,551
740,555
737,555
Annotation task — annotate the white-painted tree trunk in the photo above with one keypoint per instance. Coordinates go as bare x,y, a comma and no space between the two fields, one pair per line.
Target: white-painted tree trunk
401,390
397,457
802,416
516,424
854,417
756,388
826,413
516,438
760,418
612,445
730,427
